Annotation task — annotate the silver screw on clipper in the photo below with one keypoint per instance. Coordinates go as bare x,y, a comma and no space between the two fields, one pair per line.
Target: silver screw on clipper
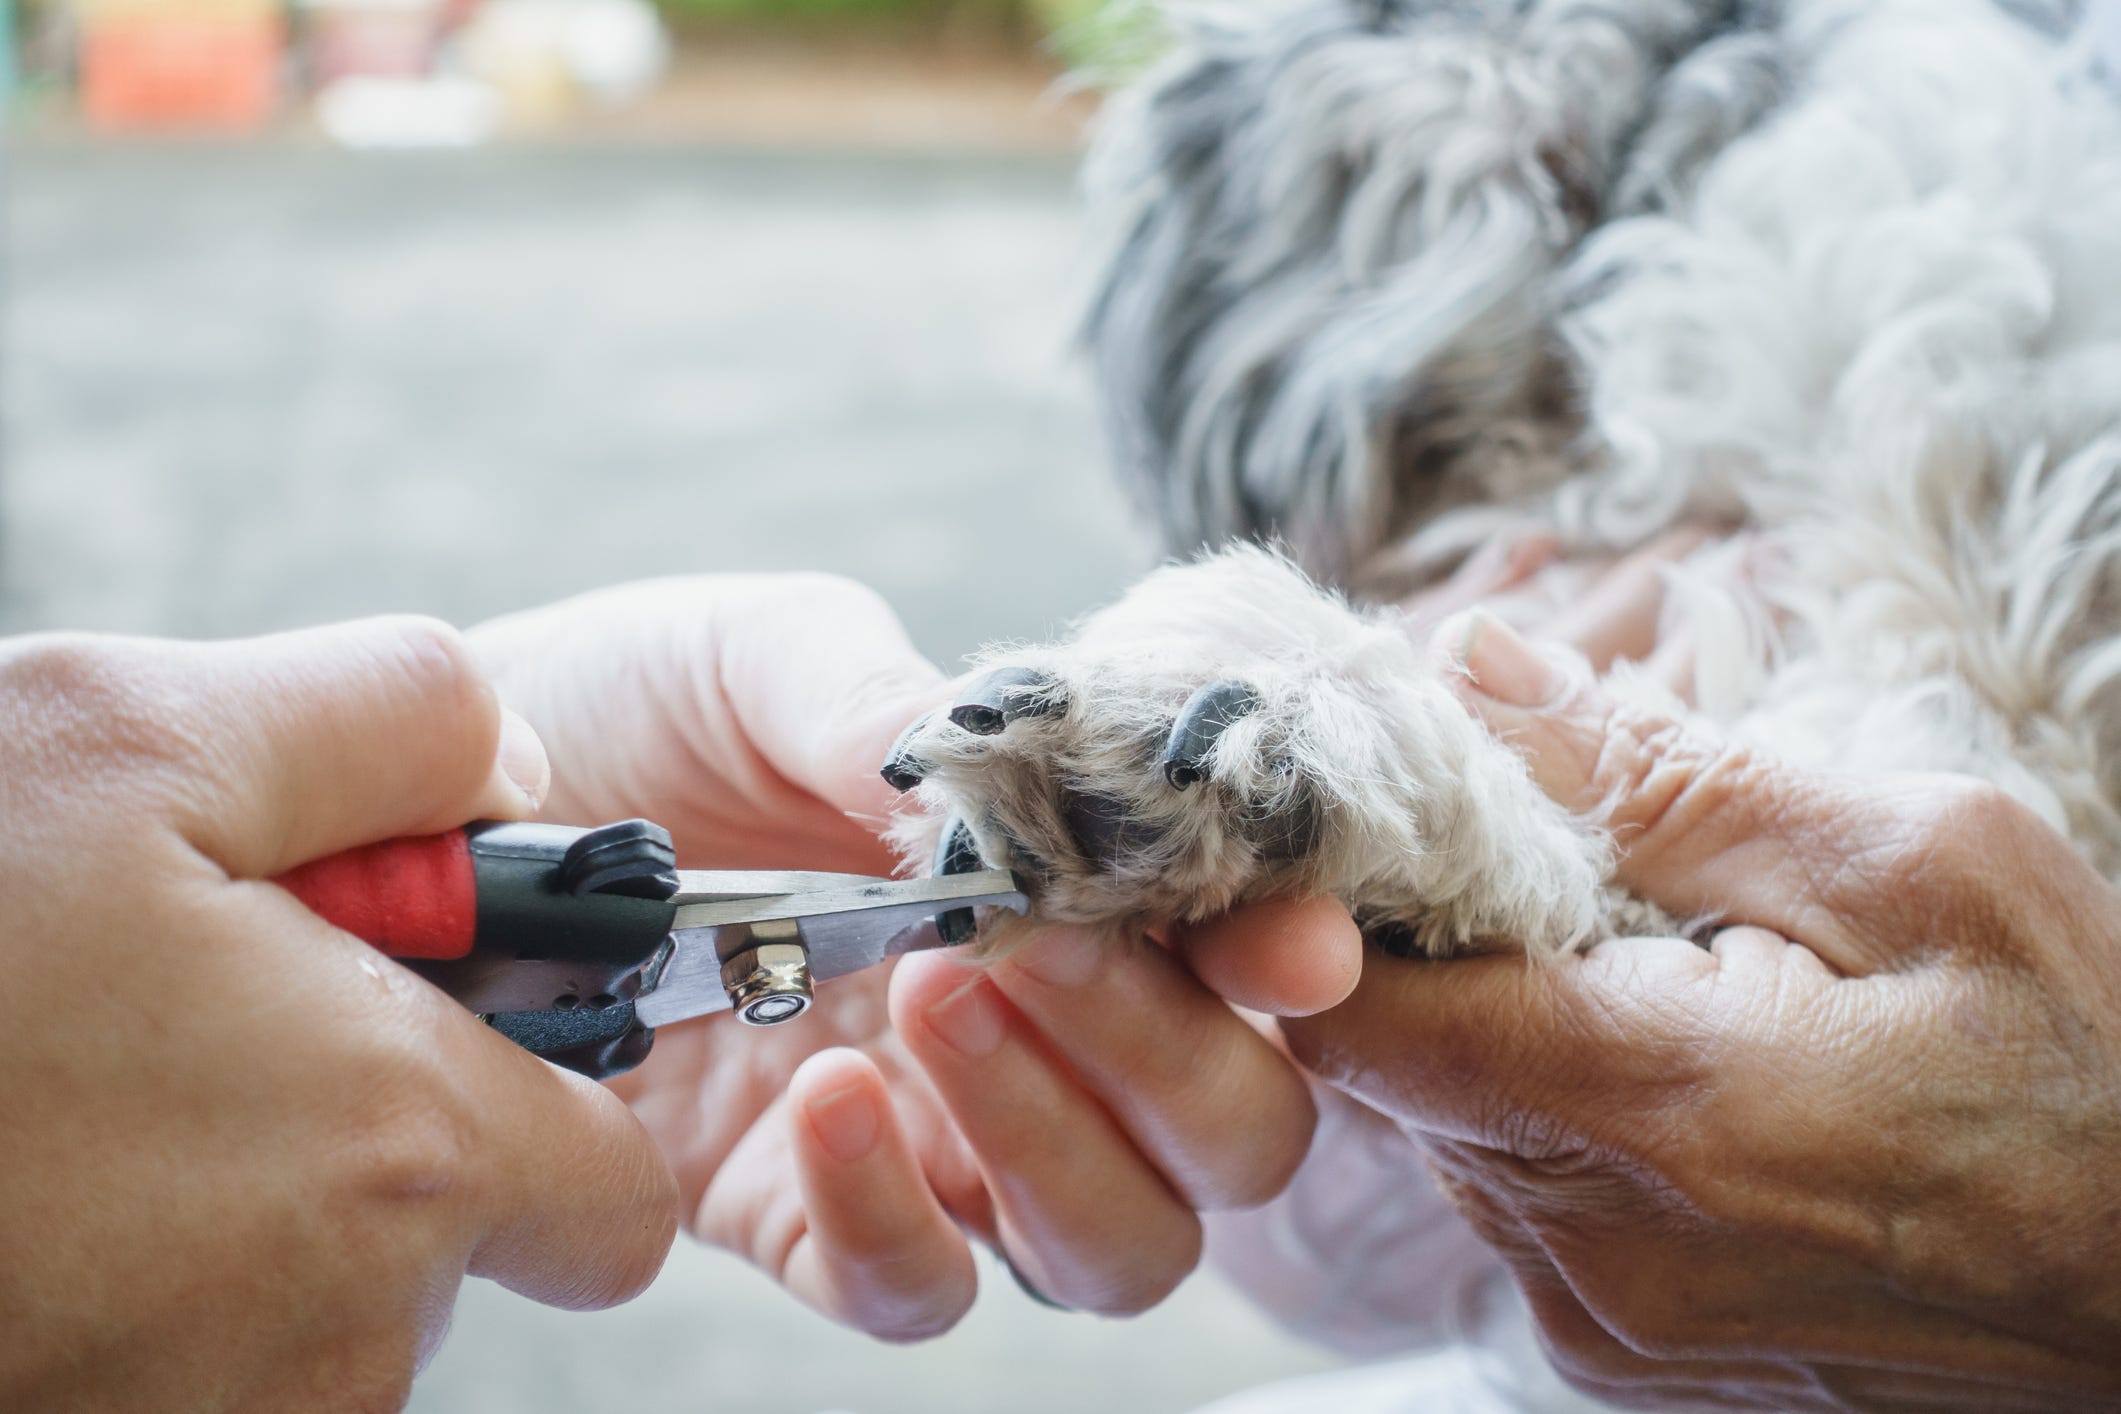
768,982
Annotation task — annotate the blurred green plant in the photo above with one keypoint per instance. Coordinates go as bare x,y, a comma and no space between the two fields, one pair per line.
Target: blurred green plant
1107,41
1102,38
799,13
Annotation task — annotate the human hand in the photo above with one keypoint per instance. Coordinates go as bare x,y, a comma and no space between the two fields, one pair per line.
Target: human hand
1074,1106
1606,608
1858,1155
1331,1255
249,1160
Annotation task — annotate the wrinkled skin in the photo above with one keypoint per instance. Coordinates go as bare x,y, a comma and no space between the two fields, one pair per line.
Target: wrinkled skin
1858,1155
249,1161
1078,1109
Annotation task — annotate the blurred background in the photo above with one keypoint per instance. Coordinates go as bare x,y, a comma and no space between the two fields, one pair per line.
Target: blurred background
457,306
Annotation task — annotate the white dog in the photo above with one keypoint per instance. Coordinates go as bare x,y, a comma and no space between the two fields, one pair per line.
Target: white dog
1391,275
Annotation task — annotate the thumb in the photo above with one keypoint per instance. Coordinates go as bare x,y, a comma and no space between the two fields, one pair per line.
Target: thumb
1517,1054
315,741
1702,827
823,707
1284,957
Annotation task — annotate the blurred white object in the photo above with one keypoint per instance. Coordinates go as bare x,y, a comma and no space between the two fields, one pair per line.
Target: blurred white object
617,48
388,112
542,55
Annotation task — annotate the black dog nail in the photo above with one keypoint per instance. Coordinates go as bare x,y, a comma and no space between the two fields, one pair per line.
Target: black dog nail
901,770
1393,939
956,854
1207,714
993,700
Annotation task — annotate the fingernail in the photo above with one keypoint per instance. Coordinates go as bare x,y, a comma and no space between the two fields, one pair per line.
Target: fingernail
969,1020
1505,667
845,1122
1062,957
1451,638
522,757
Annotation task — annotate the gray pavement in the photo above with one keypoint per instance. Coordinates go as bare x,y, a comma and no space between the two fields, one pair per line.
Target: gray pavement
251,388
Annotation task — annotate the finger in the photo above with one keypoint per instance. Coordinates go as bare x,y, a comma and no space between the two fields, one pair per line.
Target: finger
1502,563
877,1250
1594,1351
1288,957
1214,1105
787,686
340,736
1581,1351
1486,1049
1578,1343
1079,1210
822,719
1704,828
1747,952
1592,1360
1672,664
579,1206
1619,618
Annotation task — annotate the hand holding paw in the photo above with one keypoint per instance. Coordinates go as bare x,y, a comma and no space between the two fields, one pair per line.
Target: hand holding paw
1856,1154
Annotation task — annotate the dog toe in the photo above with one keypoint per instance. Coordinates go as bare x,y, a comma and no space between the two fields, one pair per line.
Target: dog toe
991,701
903,770
1208,713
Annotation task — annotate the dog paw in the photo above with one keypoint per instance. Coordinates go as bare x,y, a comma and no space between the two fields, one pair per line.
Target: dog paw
1228,732
1120,794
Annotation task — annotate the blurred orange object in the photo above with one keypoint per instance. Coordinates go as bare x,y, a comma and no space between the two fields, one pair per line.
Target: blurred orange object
213,65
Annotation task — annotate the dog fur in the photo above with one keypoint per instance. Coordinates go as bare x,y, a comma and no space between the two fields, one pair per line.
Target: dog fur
1388,279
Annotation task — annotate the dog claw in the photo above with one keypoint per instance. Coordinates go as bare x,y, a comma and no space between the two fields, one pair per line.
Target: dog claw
1393,939
956,854
995,699
1207,714
901,771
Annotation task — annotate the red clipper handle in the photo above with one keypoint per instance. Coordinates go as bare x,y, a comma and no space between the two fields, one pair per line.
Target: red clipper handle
411,898
547,931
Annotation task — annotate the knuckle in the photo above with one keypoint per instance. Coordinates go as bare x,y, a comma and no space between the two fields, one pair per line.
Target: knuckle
415,1154
75,699
1954,870
1972,822
435,660
56,664
414,1136
1657,777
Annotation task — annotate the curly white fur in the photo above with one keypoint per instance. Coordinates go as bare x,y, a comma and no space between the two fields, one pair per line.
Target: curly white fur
1390,274
1885,328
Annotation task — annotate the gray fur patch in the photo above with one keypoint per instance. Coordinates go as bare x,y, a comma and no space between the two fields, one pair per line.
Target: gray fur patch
1325,314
